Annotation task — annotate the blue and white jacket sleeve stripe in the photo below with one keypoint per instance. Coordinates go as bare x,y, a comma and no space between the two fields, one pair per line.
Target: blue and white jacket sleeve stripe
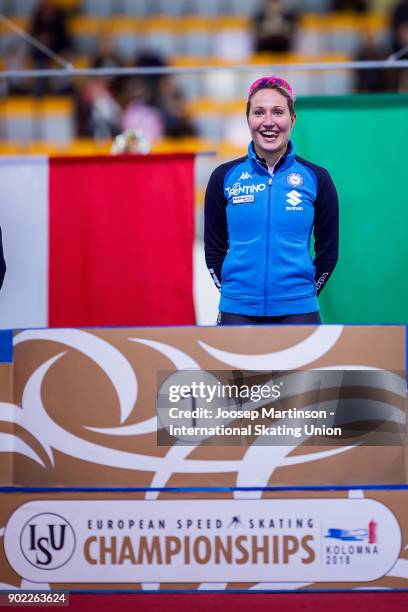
326,230
215,225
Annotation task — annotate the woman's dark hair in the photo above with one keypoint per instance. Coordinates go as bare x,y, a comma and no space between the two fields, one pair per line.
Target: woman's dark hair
291,104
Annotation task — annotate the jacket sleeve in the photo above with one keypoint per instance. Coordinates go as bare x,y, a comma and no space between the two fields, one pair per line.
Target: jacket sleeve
215,226
326,230
2,262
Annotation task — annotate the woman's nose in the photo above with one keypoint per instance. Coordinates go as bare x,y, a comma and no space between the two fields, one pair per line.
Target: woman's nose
268,119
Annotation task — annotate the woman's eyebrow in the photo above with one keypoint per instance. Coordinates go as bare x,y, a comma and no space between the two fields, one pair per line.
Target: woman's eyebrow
258,106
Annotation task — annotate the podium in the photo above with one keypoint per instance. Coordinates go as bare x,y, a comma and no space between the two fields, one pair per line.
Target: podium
91,499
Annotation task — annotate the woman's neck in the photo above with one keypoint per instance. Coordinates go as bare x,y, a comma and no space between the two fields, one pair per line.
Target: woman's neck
271,159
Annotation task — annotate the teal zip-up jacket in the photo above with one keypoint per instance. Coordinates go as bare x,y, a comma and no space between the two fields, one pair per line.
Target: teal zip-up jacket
258,229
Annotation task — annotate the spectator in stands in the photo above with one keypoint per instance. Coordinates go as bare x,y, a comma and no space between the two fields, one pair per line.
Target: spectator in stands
98,111
139,114
2,262
354,6
171,102
260,211
15,58
162,95
148,59
399,19
106,55
98,114
48,26
399,33
274,28
402,74
376,79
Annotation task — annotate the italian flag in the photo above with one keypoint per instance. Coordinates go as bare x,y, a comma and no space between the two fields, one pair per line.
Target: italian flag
97,241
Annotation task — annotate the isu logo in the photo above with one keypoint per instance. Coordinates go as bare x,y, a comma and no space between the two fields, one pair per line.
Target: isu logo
47,541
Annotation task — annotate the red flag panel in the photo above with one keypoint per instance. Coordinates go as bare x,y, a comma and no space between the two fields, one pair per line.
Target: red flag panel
121,240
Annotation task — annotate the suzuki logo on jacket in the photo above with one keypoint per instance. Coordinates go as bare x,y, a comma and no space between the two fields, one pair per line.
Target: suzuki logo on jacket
294,199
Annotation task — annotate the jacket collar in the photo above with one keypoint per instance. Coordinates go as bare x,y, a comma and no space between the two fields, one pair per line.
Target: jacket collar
259,164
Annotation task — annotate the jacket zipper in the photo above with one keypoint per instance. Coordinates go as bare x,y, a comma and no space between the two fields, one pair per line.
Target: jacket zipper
267,245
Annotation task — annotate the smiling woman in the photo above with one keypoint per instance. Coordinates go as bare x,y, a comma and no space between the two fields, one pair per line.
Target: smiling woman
260,211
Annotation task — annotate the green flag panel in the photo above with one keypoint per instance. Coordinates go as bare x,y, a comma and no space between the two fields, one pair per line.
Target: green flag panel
362,141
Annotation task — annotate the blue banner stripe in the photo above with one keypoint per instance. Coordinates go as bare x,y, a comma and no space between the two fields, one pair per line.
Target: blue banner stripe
364,487
6,346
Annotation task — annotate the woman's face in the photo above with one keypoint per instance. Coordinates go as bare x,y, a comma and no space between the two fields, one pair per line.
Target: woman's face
270,123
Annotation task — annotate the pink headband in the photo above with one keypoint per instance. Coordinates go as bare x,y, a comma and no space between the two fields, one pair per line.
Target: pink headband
272,80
